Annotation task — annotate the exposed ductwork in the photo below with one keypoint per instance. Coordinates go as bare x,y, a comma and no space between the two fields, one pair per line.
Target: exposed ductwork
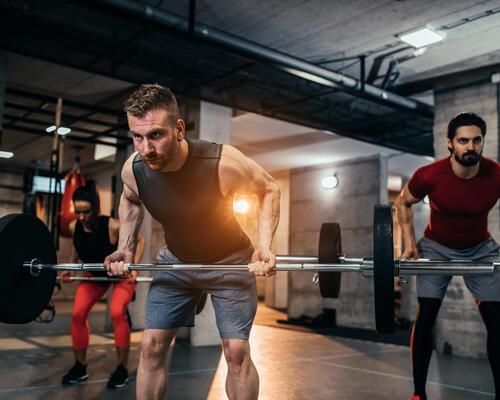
262,54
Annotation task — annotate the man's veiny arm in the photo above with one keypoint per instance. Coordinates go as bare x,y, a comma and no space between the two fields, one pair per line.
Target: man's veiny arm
130,210
240,174
141,242
404,213
130,213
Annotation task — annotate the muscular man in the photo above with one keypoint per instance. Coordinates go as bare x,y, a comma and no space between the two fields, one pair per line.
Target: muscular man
188,186
462,189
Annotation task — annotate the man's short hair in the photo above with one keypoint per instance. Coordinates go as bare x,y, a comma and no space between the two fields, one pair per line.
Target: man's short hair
150,97
465,119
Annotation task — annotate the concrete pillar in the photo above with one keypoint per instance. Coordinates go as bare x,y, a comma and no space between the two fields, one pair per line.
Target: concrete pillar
362,184
208,121
459,328
213,123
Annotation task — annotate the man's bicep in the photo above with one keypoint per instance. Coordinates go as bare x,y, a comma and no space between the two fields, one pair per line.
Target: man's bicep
233,171
130,195
259,180
407,197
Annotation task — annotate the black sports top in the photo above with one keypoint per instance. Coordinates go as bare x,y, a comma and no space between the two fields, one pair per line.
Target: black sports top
93,247
199,223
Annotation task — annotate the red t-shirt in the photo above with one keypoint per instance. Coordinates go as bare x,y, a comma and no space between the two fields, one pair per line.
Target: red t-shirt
459,207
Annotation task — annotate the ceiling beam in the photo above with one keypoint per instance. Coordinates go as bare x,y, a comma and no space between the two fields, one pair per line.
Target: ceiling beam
266,55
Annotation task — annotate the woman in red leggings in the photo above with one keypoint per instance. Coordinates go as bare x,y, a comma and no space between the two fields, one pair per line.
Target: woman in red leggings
94,237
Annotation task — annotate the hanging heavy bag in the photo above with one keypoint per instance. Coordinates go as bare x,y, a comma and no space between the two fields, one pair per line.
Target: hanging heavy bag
73,179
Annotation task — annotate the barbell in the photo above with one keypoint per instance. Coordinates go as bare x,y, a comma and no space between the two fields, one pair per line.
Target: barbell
29,267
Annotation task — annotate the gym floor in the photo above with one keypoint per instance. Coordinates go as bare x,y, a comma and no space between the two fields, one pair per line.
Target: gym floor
292,363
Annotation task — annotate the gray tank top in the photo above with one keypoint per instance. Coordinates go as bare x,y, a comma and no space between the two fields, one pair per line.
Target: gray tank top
199,223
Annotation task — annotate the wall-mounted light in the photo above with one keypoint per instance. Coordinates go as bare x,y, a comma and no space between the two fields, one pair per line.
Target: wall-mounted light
395,183
241,205
330,181
6,154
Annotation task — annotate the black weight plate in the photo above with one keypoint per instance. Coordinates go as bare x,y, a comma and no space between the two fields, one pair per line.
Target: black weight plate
383,269
329,250
22,296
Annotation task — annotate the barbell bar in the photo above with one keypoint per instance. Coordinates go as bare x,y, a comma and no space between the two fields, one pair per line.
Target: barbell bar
104,279
29,267
35,267
33,280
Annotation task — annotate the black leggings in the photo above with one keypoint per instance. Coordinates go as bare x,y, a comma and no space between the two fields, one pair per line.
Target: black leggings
422,340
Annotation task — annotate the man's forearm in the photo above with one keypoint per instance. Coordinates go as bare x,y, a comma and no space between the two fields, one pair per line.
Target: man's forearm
269,215
130,215
404,215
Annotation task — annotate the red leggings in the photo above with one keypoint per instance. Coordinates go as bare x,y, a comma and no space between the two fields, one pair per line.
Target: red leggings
86,296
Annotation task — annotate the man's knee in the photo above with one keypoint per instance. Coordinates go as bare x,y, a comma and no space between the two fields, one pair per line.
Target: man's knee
154,348
237,353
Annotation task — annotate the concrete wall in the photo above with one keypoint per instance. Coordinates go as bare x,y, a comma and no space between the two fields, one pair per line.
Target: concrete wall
362,184
459,324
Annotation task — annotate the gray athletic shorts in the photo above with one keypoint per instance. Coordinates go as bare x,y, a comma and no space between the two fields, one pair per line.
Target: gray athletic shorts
173,296
483,287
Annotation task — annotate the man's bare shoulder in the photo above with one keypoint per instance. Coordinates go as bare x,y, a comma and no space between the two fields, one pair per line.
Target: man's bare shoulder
231,158
128,173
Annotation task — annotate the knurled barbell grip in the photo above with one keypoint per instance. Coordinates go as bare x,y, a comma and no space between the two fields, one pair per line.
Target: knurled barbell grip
442,267
35,267
138,279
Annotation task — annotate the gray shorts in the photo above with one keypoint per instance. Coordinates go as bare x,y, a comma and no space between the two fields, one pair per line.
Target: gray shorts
482,287
173,296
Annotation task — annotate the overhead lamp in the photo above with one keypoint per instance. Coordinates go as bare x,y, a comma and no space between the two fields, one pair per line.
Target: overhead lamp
6,154
330,181
62,130
421,38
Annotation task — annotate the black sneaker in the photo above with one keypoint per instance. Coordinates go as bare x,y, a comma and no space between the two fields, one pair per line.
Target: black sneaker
77,373
118,378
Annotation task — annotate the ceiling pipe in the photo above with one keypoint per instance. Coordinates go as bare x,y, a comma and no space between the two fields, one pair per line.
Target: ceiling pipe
262,54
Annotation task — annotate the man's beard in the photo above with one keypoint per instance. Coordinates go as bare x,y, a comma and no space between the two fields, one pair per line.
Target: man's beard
468,159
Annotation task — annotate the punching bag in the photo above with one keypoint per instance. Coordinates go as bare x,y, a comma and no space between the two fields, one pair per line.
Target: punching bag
73,179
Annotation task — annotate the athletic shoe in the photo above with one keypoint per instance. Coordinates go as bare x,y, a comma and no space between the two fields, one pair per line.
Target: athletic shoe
118,378
77,374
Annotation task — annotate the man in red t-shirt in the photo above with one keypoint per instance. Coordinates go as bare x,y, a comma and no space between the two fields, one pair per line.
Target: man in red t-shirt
462,189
